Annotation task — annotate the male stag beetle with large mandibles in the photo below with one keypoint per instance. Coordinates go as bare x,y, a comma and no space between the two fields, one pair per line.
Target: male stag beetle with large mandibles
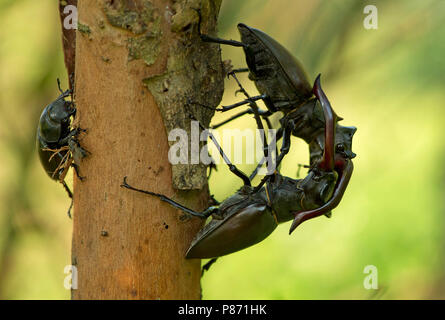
253,213
57,142
284,86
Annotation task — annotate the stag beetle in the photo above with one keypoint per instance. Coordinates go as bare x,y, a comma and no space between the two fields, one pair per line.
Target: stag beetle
314,135
310,127
57,142
283,85
250,215
342,158
278,76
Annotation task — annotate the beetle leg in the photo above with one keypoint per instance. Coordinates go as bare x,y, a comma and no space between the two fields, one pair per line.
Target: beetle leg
207,38
286,141
233,43
67,189
56,152
203,215
255,109
241,103
302,166
283,151
232,106
263,113
212,166
213,201
207,266
70,194
77,151
69,209
70,135
231,166
76,170
64,162
64,166
278,136
240,70
259,165
300,123
234,117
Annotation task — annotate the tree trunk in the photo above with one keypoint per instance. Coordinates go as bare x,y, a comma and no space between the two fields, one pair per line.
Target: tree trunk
137,64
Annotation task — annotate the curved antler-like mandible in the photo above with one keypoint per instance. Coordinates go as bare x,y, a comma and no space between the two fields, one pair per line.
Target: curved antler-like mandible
328,162
340,187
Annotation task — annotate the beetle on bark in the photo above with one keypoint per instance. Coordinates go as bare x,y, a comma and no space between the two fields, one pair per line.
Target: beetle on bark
283,85
252,213
57,142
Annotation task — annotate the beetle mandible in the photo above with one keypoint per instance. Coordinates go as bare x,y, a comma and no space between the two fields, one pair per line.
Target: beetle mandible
283,85
250,215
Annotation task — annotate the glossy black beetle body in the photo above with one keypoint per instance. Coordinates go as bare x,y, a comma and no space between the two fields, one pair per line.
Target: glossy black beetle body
56,139
277,74
309,123
281,81
250,215
283,86
53,133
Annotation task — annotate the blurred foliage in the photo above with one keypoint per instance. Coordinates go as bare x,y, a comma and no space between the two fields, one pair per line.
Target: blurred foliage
388,82
35,234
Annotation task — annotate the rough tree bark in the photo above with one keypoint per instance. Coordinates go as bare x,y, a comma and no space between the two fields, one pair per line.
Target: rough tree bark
137,64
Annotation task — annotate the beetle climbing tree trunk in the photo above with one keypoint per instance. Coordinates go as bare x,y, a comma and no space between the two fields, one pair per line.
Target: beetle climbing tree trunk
137,65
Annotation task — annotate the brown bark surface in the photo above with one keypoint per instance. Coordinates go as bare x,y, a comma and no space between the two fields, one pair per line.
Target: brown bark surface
128,245
68,39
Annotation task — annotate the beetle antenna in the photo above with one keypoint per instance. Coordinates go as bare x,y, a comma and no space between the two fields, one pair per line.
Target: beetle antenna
63,94
58,85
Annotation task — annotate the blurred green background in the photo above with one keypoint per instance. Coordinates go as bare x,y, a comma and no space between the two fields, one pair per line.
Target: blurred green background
387,82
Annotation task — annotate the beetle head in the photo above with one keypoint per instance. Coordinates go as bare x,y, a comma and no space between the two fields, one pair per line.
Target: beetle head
343,144
55,119
61,110
319,186
337,142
